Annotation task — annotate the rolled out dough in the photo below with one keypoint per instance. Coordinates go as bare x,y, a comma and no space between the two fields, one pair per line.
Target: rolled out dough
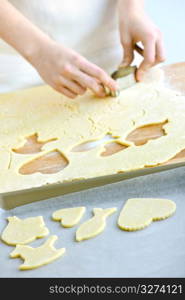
95,225
24,231
50,115
69,217
138,213
37,257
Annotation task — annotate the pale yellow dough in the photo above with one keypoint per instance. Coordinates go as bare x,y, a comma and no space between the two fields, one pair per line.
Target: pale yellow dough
37,257
69,217
138,213
49,114
24,231
95,225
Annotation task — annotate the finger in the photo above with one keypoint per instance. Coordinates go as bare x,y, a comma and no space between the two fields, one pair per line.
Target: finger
94,71
160,51
89,82
65,91
128,53
73,86
149,58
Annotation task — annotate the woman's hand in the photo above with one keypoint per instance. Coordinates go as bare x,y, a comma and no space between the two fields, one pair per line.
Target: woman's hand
68,72
136,26
62,68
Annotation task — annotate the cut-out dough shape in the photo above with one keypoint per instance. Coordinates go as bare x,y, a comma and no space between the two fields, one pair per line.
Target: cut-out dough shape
69,217
112,148
24,231
86,146
32,145
95,225
139,213
37,257
49,163
140,136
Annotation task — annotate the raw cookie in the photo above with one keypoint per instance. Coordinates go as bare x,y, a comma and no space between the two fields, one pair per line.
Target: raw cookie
95,225
69,217
37,257
24,231
138,213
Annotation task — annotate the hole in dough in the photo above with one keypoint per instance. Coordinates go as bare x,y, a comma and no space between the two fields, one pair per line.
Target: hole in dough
112,148
140,136
49,163
32,145
177,158
86,146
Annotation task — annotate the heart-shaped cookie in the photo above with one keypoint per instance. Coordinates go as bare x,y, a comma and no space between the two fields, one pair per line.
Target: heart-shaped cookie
138,213
69,217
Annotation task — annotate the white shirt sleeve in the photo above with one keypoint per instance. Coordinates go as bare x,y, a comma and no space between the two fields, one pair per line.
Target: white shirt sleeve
88,26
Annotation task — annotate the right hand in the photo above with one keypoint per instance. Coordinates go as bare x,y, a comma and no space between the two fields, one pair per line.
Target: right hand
70,73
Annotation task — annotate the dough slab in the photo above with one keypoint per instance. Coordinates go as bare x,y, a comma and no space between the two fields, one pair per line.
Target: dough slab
61,125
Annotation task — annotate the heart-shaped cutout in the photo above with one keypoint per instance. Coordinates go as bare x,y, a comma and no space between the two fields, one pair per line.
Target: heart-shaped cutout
139,213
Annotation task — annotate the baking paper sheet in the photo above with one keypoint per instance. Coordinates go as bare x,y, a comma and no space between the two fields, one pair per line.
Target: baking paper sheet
157,251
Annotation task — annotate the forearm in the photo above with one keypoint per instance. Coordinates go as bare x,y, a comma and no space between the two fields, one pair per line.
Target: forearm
19,32
62,68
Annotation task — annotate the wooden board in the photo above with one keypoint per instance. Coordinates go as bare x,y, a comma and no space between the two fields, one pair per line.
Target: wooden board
174,78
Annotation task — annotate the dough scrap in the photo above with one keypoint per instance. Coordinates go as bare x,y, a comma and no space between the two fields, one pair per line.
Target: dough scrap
69,217
49,114
24,231
37,257
95,225
139,213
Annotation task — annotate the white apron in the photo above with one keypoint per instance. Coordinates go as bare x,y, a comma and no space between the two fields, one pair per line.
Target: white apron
88,26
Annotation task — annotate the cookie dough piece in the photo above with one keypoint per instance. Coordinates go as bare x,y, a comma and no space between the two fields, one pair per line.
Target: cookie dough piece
37,257
95,225
24,231
69,217
138,213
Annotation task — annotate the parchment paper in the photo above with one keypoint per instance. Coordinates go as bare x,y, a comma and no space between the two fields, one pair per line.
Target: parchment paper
157,251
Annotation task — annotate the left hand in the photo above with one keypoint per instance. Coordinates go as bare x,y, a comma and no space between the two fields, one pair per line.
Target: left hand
136,26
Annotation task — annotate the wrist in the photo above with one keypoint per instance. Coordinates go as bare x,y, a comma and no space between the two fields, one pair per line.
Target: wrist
33,51
130,7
